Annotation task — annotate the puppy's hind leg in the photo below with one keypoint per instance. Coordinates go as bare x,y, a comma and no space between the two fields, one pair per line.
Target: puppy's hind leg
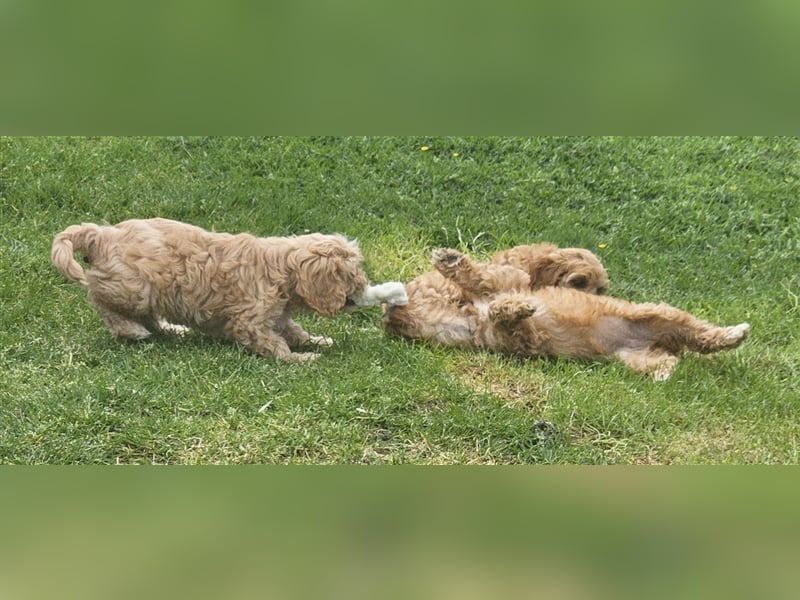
674,329
657,363
510,309
122,326
713,339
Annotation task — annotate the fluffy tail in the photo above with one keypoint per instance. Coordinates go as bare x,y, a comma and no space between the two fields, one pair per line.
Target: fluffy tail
76,238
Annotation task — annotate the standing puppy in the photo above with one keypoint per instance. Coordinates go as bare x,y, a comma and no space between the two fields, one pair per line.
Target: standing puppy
147,275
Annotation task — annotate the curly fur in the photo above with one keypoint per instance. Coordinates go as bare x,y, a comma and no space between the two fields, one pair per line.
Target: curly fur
547,264
561,321
147,275
443,310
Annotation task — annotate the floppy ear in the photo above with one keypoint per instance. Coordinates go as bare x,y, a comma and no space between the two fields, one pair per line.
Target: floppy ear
325,273
321,289
544,270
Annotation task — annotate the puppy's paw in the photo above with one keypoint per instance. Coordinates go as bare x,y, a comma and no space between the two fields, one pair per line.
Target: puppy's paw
172,328
301,357
129,330
511,309
663,371
320,340
446,257
738,333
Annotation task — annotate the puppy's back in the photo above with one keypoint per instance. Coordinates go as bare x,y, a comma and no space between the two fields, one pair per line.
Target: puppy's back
522,256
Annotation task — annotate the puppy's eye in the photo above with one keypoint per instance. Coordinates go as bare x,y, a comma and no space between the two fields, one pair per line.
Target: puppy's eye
578,282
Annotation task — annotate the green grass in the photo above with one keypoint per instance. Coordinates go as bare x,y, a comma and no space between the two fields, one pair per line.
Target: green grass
711,225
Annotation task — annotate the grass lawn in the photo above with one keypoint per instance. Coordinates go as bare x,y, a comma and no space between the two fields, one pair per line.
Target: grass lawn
711,225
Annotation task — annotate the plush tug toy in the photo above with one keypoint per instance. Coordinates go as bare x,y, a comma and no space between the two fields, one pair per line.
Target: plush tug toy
392,293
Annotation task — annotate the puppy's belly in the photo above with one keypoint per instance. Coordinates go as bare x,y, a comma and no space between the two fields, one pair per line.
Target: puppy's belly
455,333
458,328
614,333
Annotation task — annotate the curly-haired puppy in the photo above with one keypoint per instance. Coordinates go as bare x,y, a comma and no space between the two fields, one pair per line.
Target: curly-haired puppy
440,310
547,264
148,275
561,321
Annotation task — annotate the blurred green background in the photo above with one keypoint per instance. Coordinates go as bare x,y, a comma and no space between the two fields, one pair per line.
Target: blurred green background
345,66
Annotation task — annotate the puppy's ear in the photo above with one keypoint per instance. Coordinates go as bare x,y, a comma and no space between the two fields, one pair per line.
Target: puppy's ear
320,285
544,270
327,270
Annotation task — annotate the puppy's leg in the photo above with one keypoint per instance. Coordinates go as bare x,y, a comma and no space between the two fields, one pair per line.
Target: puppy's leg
674,329
711,338
297,336
510,309
516,324
123,308
122,326
261,339
478,278
433,319
272,344
657,363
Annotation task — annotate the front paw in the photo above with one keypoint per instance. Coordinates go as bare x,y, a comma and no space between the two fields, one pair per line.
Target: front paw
301,357
445,258
320,340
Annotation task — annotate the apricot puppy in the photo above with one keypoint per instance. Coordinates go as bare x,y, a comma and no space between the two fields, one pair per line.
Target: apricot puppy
444,311
149,275
561,321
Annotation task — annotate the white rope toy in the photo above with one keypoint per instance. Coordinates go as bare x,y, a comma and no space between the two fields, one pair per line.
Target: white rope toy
392,293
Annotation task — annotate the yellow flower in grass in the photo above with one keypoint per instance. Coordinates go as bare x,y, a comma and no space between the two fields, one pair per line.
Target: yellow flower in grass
602,246
424,148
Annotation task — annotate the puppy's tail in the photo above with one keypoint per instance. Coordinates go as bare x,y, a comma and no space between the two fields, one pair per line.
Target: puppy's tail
76,238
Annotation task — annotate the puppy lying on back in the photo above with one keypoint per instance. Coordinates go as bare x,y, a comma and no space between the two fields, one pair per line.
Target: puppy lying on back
561,321
442,311
148,275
